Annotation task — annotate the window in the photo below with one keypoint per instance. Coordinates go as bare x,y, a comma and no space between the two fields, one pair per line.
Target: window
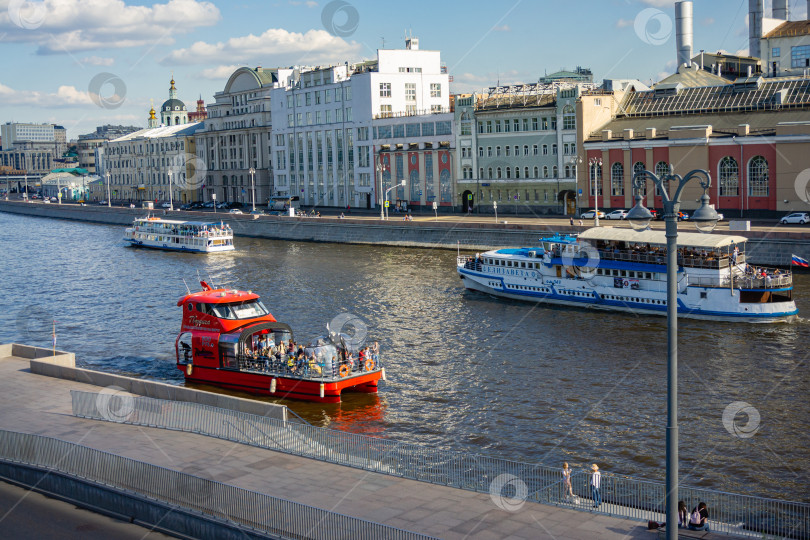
555,172
517,171
661,170
799,55
534,149
509,172
728,176
435,109
385,111
489,173
597,102
776,52
498,151
507,126
525,149
385,89
309,98
489,126
410,109
617,179
758,177
535,126
508,150
545,149
637,168
545,171
362,134
499,172
515,125
569,117
497,126
554,149
435,90
410,91
489,151
480,151
338,94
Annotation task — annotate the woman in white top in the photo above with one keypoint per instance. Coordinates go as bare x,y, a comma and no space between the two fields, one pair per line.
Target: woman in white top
566,474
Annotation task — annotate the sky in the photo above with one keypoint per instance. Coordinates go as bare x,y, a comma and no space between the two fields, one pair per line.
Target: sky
86,63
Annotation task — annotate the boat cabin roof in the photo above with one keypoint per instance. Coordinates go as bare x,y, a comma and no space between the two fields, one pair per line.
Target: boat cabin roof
219,296
658,238
177,222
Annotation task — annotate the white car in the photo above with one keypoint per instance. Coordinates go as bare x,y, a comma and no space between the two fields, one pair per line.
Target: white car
796,217
234,211
166,205
617,214
590,214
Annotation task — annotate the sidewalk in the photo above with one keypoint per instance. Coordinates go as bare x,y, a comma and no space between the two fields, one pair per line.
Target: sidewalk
37,404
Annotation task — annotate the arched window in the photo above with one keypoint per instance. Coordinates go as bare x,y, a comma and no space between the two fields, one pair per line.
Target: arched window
517,171
728,175
509,171
637,168
617,179
498,170
758,177
489,173
555,172
545,171
661,169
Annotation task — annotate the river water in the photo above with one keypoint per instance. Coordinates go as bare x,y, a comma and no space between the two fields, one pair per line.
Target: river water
465,371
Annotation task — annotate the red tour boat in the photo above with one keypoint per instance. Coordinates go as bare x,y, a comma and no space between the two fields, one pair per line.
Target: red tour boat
229,339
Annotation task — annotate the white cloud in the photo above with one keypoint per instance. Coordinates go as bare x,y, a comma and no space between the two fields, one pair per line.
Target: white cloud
308,3
502,28
275,46
708,21
623,23
64,26
219,72
65,96
97,61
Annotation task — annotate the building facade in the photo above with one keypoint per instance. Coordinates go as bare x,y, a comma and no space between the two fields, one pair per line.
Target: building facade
235,137
324,141
752,136
517,148
87,144
33,148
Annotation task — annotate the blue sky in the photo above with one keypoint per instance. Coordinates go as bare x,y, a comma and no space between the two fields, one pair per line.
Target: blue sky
84,63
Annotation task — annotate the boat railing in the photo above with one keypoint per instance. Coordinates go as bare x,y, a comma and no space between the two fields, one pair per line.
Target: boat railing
772,279
318,370
470,263
690,261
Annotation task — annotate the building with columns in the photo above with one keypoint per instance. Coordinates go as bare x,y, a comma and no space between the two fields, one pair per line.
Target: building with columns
235,137
333,124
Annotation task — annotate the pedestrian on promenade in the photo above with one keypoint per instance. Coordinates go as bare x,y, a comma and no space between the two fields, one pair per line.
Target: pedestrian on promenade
571,220
566,474
596,481
580,223
699,519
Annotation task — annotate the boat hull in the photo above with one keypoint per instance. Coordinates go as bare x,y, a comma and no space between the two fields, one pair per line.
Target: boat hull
285,387
595,299
181,248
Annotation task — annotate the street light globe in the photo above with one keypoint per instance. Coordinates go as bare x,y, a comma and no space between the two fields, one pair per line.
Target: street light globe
705,217
638,216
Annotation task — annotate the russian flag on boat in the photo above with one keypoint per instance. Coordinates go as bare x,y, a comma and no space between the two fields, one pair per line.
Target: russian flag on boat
798,261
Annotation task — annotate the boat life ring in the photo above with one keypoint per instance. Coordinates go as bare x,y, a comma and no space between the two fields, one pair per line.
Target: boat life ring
369,364
344,370
189,369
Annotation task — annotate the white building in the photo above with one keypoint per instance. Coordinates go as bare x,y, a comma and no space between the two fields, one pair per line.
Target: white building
322,139
144,164
236,137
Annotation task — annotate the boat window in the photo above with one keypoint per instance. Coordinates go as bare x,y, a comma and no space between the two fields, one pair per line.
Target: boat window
240,310
190,306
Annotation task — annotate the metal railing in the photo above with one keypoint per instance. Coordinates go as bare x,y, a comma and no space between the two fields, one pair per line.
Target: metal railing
288,366
248,509
621,495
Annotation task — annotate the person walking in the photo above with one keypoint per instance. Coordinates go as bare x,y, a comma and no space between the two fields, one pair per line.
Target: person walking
567,489
596,481
571,220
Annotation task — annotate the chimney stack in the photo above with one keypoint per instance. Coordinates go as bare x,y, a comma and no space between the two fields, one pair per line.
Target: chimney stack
755,11
781,10
683,32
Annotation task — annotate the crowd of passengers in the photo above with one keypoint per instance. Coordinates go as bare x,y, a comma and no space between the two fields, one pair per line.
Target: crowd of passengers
292,358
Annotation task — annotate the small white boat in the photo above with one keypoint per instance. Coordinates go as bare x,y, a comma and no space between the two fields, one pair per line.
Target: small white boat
623,270
193,236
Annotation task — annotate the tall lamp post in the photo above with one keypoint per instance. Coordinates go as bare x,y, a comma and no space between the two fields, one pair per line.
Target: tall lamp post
705,219
171,200
386,196
252,172
109,203
380,167
592,170
495,206
25,176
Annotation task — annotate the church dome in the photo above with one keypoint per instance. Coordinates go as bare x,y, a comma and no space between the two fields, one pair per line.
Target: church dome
171,105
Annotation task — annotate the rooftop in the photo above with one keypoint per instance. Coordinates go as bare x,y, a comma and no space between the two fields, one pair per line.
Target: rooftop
790,29
163,131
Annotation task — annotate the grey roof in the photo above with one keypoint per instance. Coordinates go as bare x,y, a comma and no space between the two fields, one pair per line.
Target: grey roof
658,238
171,104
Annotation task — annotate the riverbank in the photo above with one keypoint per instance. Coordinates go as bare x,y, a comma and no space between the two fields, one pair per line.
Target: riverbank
770,246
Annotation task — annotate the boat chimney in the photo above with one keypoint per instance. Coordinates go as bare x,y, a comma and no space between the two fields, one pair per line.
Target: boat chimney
683,32
755,10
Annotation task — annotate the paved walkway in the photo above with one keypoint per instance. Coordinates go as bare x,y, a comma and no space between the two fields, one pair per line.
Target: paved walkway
38,404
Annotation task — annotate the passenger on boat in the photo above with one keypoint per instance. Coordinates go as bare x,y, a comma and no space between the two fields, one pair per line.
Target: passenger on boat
375,352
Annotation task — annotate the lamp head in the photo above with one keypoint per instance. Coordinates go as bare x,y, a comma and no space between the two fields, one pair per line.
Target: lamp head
402,183
638,216
705,217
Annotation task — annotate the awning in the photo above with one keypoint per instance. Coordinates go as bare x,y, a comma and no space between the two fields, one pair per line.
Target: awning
658,238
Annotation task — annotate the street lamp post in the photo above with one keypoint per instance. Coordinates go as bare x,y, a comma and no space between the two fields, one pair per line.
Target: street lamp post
107,175
386,196
592,174
495,206
705,219
171,200
214,198
380,168
25,176
252,172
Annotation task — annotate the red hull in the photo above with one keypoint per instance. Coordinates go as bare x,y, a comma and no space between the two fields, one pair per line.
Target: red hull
290,388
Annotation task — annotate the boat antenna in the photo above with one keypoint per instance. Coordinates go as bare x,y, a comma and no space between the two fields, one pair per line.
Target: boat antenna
186,284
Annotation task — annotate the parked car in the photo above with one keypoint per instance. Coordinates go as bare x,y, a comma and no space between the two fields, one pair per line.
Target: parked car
617,214
166,205
222,205
683,216
102,202
209,204
796,217
234,211
590,214
46,201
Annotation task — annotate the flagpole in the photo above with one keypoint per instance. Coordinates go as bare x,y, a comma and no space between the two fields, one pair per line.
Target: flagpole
54,337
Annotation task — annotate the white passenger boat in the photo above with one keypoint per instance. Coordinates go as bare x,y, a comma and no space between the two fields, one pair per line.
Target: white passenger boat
624,270
194,236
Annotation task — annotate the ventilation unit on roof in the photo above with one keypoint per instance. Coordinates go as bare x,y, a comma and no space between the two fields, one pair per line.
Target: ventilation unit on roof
663,90
747,84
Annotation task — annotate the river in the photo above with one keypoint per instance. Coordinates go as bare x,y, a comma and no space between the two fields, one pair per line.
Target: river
465,371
